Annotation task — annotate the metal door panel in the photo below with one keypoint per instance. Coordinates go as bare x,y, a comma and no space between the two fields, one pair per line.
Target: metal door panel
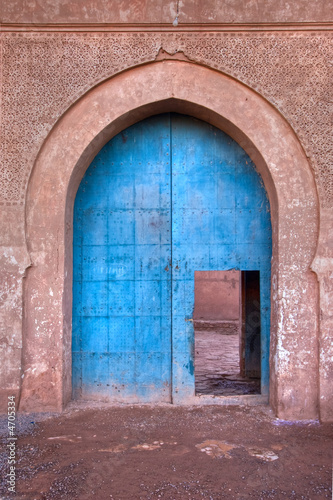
152,262
156,194
119,264
152,227
152,298
94,335
154,331
223,228
94,373
249,227
194,255
90,291
251,193
94,223
226,189
217,225
121,296
122,283
121,227
120,339
137,243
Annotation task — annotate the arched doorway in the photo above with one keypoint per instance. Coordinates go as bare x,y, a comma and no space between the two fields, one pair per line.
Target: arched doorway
67,152
166,198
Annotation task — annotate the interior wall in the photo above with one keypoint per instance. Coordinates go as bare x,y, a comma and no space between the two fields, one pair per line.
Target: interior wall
216,295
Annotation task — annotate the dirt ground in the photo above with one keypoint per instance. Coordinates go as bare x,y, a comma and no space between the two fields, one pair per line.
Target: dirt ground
171,452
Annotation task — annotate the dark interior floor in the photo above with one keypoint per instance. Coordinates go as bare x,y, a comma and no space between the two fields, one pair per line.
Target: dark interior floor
217,366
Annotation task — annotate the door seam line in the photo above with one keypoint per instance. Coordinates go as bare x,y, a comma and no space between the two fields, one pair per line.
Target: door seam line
171,263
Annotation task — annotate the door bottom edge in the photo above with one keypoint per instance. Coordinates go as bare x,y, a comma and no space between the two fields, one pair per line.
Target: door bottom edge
198,400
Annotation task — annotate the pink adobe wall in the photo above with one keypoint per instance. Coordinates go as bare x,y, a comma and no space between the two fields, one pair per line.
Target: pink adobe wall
156,11
68,151
216,295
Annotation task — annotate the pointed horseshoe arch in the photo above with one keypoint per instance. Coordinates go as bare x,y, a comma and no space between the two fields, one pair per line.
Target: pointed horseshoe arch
114,105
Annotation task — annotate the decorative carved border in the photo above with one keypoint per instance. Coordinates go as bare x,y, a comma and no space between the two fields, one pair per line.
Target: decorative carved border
44,73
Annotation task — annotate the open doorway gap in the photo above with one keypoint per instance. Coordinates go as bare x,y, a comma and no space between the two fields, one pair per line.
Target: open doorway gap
227,333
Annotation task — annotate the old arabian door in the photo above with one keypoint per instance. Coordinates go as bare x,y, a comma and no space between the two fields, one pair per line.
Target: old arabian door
169,196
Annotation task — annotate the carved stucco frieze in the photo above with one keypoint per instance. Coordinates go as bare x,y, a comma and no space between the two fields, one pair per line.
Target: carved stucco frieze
44,73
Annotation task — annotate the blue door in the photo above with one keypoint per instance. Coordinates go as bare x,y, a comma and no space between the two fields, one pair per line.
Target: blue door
167,197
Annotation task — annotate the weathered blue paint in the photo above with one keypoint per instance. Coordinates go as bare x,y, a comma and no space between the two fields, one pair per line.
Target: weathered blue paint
169,196
122,283
220,221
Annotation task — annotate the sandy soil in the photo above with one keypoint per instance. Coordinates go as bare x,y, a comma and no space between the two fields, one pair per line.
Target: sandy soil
144,452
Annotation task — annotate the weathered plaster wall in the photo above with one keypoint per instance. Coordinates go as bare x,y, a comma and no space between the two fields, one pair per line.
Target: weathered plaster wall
217,302
158,11
216,295
44,71
108,108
